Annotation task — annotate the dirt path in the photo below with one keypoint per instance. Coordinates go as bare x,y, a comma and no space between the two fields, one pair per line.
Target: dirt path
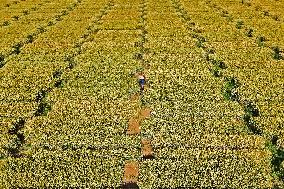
145,113
147,149
131,169
130,172
133,127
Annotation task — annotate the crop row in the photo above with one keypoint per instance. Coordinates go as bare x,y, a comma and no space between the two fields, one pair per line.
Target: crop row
82,168
205,169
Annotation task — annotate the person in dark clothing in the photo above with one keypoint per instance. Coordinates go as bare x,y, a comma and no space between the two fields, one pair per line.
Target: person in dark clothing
141,81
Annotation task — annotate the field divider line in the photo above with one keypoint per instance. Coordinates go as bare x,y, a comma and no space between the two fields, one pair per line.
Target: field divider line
123,29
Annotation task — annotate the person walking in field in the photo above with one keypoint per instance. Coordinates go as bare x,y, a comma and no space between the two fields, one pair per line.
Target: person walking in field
141,81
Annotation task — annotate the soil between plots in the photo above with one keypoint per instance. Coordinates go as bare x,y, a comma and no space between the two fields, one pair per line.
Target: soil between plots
134,123
131,172
145,113
147,150
133,126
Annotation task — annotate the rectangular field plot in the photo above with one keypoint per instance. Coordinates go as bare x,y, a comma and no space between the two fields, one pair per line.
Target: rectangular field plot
16,109
108,39
168,44
209,141
261,84
53,169
242,50
208,168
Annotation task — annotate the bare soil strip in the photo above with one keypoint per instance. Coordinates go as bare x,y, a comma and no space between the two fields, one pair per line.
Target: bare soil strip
134,122
147,150
133,126
131,171
145,113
